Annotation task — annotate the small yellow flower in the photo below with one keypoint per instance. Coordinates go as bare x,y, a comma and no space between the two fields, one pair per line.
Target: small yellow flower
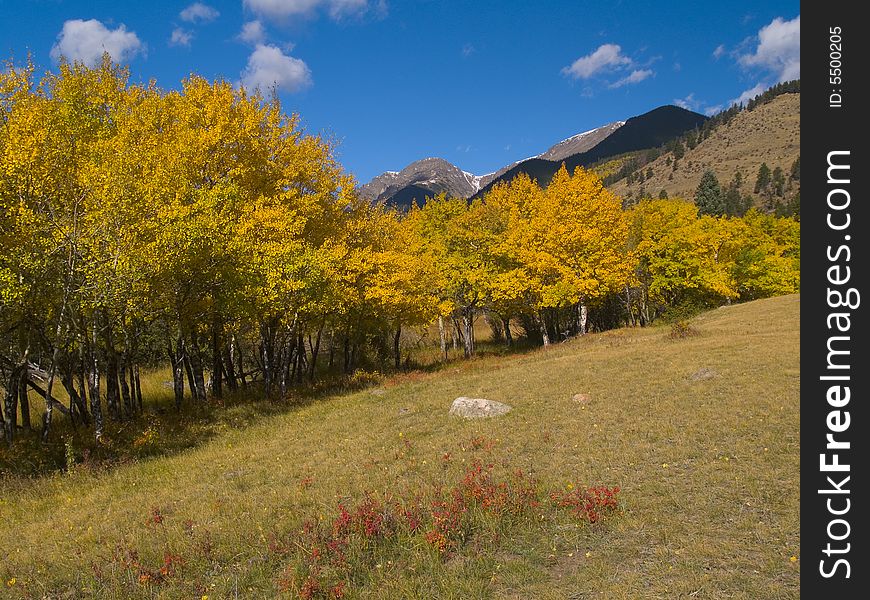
11,582
570,486
588,554
665,465
793,559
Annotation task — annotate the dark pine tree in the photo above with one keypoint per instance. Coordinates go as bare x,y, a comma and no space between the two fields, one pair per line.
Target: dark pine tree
778,182
733,202
708,196
763,179
795,172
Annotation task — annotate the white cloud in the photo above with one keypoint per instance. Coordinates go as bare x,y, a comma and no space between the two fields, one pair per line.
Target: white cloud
346,8
468,49
199,13
180,37
253,32
86,41
607,56
749,94
337,9
779,49
696,105
689,102
635,76
719,51
281,8
268,66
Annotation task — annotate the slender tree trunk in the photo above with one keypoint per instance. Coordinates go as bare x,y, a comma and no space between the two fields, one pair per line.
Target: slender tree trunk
397,351
301,358
123,364
137,385
331,362
59,329
82,368
76,404
442,336
289,364
454,333
629,305
543,325
52,371
508,336
229,367
354,352
2,419
96,408
24,400
197,369
644,307
468,331
113,395
129,378
315,350
267,337
584,316
188,371
11,402
176,361
217,364
266,369
238,348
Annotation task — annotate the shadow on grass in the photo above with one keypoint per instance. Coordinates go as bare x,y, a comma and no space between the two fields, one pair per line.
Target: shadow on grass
161,430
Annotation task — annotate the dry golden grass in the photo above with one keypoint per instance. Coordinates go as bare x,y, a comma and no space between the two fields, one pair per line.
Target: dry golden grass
770,133
708,466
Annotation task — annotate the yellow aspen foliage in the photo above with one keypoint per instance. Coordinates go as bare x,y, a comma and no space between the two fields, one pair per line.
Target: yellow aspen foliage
678,253
575,240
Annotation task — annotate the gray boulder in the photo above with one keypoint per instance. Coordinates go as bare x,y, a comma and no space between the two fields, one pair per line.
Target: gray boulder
476,408
703,373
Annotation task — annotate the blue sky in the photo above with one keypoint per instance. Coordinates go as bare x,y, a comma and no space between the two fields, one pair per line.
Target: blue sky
480,83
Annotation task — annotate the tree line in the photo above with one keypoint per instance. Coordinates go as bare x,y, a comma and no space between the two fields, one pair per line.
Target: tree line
773,187
632,166
204,230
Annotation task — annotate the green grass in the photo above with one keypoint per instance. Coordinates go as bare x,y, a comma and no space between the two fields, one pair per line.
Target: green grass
708,466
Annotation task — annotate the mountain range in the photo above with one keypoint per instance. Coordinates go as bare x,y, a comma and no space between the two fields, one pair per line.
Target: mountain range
432,176
767,134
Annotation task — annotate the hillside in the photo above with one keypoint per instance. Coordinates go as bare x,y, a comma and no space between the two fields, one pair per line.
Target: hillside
768,134
648,130
701,434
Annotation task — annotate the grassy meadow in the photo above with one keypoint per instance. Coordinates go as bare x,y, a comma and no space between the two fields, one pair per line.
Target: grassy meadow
700,433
